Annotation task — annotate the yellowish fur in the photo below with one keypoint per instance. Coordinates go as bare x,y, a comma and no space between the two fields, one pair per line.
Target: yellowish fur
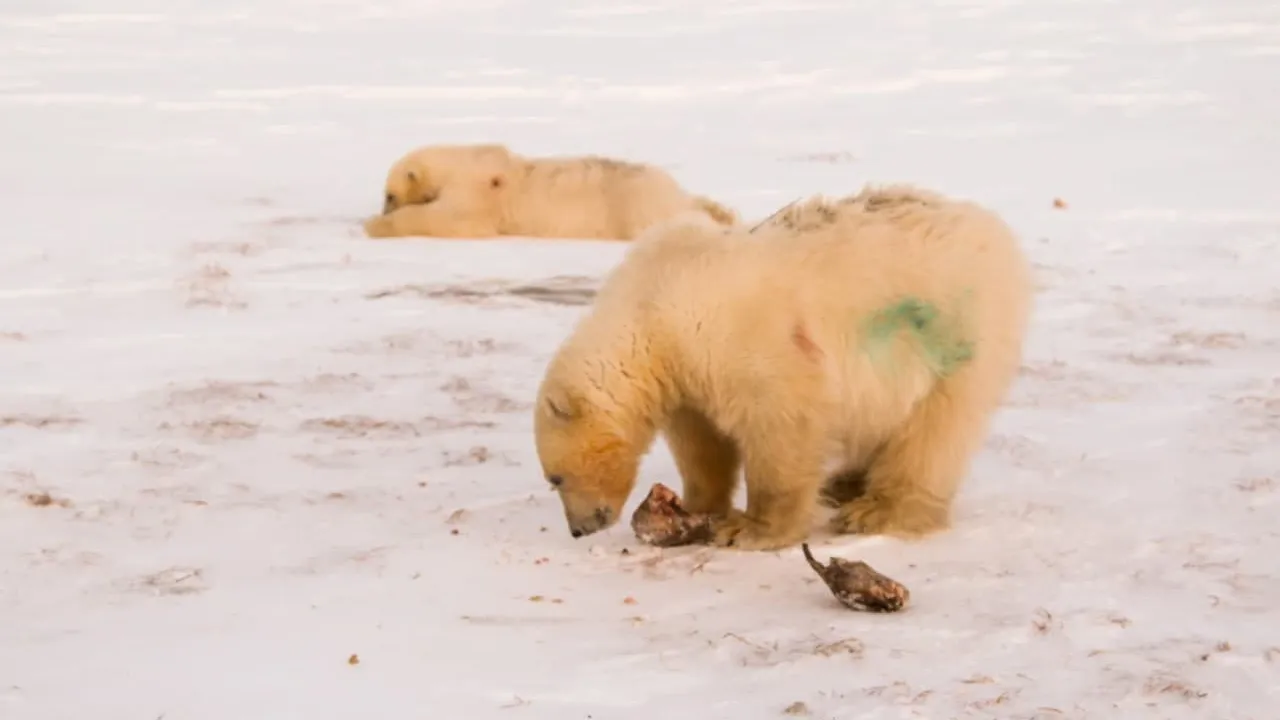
477,191
877,332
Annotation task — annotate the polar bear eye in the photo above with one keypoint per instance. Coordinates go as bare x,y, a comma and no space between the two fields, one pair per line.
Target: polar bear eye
559,412
555,480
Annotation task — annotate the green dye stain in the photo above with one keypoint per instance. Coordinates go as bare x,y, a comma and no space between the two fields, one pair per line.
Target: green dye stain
937,340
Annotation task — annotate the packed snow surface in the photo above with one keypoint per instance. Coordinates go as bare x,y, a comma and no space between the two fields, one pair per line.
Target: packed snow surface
256,466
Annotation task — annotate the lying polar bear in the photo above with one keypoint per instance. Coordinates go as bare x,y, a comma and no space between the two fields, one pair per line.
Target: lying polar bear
475,191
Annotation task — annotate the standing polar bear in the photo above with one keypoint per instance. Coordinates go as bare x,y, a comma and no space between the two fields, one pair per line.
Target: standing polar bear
873,336
474,191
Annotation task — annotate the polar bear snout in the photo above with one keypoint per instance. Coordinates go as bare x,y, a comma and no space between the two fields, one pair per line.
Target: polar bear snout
593,522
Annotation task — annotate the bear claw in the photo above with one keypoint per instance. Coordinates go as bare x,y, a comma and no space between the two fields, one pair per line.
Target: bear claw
870,515
740,532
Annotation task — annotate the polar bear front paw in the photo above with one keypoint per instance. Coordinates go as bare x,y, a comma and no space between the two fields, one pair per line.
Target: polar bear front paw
740,532
876,515
378,226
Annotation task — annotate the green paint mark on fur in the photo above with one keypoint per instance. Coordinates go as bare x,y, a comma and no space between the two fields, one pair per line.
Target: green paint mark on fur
938,342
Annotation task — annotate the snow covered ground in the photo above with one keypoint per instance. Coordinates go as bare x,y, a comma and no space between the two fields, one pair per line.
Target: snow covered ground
240,445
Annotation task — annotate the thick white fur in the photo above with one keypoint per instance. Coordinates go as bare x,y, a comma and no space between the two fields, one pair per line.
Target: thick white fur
750,349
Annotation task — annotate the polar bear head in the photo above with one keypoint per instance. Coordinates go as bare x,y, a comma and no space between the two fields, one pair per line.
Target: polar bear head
425,174
588,442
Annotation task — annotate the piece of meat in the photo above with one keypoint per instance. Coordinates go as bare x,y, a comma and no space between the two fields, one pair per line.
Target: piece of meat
660,520
857,586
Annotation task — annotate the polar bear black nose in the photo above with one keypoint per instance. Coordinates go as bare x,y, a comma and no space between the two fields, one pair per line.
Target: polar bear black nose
583,525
